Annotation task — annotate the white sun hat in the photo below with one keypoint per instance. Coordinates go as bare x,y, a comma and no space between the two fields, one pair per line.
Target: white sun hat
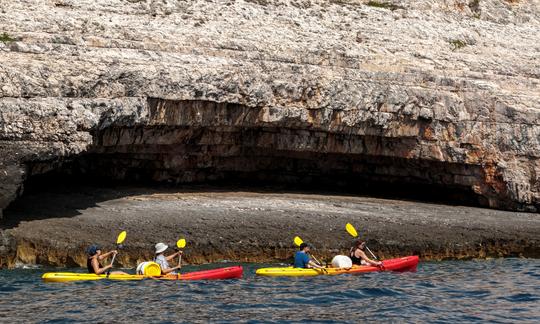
160,247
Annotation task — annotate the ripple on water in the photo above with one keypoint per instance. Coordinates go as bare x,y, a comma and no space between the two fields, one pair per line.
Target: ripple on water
473,291
522,297
7,289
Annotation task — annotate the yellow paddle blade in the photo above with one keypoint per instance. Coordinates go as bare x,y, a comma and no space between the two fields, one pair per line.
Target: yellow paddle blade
351,230
298,240
121,237
181,243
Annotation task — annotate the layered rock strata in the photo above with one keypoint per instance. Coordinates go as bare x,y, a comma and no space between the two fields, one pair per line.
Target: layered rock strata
441,93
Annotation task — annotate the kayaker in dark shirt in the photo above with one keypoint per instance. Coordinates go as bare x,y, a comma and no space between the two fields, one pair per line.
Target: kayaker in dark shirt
94,256
302,259
359,257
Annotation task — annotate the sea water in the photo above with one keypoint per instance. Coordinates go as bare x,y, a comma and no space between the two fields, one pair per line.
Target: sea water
502,290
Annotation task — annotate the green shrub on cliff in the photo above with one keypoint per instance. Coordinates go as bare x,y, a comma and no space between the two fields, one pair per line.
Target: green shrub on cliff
457,44
5,38
385,5
263,3
474,5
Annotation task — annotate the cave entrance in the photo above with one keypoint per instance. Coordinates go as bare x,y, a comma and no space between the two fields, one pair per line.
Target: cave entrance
200,142
283,172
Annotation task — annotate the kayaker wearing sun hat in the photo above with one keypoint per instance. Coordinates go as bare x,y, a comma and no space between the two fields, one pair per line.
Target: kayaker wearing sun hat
359,257
302,259
94,256
163,261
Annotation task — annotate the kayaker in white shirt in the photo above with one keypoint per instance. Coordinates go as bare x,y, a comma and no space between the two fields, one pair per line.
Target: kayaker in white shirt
163,260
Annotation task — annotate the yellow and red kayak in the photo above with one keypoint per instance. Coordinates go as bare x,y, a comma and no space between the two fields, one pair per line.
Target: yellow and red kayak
408,263
214,274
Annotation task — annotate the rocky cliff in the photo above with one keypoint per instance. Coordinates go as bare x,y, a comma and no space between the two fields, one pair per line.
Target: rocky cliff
429,93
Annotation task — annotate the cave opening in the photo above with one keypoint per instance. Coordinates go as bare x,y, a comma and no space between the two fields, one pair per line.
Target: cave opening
219,145
284,172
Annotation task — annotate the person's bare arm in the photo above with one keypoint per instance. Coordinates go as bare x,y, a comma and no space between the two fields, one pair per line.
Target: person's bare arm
97,269
169,270
106,255
368,260
313,264
172,256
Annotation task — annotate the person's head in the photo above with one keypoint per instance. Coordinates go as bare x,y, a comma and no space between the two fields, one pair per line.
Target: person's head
305,247
93,250
160,248
359,244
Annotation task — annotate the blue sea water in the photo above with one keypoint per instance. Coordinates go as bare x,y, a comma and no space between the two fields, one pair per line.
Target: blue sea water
499,291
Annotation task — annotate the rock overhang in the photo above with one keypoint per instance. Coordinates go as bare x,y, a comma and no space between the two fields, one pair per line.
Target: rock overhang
90,67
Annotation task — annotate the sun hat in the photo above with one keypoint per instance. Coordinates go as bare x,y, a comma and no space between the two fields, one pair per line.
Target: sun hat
92,250
160,247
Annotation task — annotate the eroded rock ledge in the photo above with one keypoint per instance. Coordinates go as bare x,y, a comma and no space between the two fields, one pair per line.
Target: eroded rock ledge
421,92
222,224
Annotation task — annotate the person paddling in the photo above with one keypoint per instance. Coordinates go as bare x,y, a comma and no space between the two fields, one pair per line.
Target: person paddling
94,256
302,259
163,260
359,257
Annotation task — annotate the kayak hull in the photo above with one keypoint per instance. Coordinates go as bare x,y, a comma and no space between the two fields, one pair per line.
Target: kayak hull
408,263
214,274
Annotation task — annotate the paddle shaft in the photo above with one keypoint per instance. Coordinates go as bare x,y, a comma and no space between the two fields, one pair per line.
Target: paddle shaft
373,255
351,230
180,244
112,262
314,258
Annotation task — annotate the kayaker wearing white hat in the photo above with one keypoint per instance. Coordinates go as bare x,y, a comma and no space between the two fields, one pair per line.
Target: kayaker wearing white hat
163,261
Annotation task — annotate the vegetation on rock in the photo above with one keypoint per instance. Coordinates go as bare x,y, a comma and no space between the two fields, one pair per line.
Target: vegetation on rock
457,44
5,38
385,5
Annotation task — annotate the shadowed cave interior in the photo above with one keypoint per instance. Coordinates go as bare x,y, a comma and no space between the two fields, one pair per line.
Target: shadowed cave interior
249,167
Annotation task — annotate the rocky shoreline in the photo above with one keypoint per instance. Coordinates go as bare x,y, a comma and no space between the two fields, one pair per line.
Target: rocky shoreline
53,227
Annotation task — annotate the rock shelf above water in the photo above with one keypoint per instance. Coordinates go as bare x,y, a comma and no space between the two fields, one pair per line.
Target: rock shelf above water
54,228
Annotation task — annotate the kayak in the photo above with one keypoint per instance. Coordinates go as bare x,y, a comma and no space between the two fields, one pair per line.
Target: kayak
214,274
408,263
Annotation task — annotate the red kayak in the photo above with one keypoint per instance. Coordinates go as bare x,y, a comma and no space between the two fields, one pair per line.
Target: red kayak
408,263
214,274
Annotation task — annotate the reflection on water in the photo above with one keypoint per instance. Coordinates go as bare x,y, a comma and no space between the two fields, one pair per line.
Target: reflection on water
494,290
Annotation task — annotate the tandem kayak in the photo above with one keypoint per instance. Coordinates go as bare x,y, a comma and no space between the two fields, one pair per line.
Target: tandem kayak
214,274
408,263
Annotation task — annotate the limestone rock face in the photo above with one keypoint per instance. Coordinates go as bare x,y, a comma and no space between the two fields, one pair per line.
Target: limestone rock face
442,93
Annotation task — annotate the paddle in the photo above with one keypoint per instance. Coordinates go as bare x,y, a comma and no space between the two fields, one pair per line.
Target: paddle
351,230
180,244
298,241
119,240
